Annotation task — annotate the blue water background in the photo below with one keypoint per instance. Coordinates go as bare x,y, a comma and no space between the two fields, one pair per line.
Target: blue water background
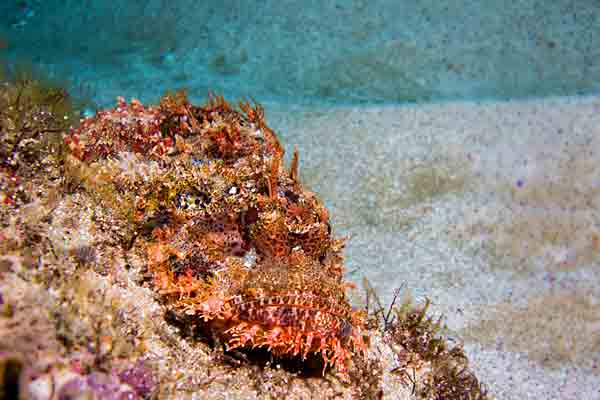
309,51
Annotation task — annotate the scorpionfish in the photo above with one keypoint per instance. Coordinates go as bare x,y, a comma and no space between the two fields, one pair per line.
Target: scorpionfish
231,238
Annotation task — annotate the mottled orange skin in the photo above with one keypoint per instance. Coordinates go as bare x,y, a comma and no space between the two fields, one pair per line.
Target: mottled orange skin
292,306
231,237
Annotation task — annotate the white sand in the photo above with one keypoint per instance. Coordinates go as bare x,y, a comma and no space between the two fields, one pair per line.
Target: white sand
490,209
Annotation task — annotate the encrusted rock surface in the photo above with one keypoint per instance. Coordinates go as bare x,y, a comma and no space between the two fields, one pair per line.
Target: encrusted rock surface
166,252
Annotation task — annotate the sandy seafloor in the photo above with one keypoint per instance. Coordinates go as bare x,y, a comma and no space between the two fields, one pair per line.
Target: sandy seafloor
490,209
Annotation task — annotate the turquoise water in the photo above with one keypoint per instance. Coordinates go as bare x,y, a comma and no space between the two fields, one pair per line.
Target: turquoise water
334,52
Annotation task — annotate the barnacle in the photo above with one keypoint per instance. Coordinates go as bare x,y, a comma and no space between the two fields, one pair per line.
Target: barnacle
232,239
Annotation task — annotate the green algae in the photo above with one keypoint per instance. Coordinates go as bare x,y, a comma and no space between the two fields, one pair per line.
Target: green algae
541,223
230,63
429,182
396,199
399,82
419,339
35,111
553,329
